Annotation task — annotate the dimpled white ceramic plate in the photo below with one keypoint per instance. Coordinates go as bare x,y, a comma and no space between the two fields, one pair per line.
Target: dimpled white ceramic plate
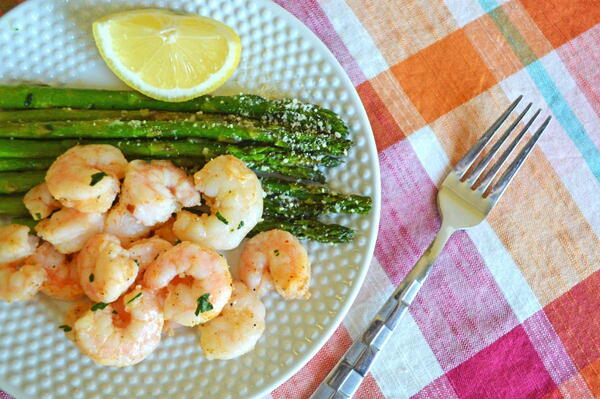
50,41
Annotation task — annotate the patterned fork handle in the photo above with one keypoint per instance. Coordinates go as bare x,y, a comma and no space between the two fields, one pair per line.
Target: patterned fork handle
345,378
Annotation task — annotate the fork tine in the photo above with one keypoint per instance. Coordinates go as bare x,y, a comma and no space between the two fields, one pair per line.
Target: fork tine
503,182
489,176
474,174
465,163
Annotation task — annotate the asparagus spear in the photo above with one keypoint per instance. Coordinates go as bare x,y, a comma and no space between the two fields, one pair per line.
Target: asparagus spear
224,129
306,205
264,159
70,114
308,229
288,112
14,164
12,205
19,182
25,221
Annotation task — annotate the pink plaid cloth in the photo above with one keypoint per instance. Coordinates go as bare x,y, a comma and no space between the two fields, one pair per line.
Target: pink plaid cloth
512,309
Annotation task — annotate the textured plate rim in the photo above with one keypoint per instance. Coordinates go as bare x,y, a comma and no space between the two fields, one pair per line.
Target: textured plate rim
318,45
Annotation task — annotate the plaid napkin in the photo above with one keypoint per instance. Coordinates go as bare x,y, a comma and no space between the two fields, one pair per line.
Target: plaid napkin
512,309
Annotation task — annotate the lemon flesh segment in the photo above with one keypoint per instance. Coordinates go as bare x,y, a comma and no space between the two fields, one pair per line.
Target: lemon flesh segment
168,56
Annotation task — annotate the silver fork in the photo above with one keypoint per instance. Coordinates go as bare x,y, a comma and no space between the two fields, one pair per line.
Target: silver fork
464,200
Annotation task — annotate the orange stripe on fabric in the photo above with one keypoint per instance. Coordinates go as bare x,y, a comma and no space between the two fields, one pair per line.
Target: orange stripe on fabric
397,102
443,76
384,126
591,375
562,20
401,28
305,381
461,127
544,230
493,48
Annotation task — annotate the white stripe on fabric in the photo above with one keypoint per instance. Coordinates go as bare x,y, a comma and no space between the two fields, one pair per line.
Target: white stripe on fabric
507,274
407,364
558,148
464,11
355,37
499,262
431,154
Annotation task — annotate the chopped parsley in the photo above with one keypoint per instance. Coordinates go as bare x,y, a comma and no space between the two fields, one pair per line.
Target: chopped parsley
240,225
137,262
177,241
203,304
276,252
134,298
38,216
98,306
65,328
96,177
91,277
221,218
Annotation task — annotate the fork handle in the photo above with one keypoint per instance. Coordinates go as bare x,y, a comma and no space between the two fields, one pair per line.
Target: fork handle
345,378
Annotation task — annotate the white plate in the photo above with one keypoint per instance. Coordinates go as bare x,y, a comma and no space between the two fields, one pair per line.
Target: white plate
50,41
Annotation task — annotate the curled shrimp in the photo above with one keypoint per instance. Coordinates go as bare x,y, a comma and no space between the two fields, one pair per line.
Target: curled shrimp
68,229
237,329
39,202
19,281
122,224
197,281
152,191
146,251
123,333
86,177
74,313
276,258
62,280
16,243
235,196
106,270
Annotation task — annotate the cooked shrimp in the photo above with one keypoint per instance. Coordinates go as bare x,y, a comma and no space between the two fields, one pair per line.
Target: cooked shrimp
106,270
165,231
16,243
39,202
152,191
86,177
197,279
62,280
69,229
121,223
123,333
237,329
74,313
236,198
276,257
146,251
20,282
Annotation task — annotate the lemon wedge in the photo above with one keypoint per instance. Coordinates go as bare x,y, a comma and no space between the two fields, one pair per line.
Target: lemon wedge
166,55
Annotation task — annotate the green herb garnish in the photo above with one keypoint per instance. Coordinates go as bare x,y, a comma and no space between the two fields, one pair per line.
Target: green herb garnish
203,304
98,306
276,252
177,241
91,277
137,262
65,328
134,298
221,218
96,177
38,216
240,225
